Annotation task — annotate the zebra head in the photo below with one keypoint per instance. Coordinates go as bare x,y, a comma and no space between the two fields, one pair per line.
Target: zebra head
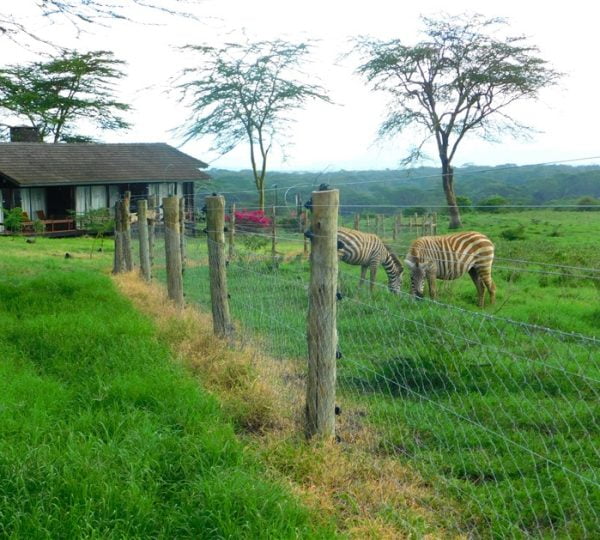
417,277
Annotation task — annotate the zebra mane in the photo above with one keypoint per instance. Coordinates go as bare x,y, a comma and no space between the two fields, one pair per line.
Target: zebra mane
393,256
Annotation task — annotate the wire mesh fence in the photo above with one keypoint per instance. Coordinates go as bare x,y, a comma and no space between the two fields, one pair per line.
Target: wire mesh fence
497,409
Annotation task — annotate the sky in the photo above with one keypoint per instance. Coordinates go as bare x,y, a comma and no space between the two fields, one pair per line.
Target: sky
342,135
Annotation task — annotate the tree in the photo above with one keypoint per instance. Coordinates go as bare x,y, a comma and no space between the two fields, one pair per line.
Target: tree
82,13
52,96
246,93
460,79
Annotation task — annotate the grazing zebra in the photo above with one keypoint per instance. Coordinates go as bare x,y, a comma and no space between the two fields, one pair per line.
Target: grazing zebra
368,251
449,257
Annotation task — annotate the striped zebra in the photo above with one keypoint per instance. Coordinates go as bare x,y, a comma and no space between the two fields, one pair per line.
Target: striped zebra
449,257
368,251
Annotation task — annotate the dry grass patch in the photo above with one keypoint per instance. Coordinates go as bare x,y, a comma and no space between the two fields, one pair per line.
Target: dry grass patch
369,495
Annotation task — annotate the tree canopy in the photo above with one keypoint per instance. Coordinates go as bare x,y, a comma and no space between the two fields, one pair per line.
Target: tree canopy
461,79
246,93
82,13
54,96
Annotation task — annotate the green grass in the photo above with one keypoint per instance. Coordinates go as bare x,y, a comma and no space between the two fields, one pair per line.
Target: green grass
101,435
496,413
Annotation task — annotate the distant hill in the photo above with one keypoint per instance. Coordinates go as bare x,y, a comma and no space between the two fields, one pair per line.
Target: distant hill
520,185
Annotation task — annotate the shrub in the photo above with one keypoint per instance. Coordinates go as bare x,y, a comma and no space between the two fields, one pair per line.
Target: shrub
588,204
464,203
516,233
250,220
492,204
13,219
254,242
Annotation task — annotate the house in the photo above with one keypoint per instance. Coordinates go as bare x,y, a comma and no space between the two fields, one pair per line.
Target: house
56,180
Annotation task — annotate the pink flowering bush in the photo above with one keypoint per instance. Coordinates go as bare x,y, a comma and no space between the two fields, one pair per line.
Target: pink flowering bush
250,220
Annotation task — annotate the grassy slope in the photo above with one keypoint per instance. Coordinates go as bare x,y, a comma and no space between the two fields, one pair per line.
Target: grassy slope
100,435
501,415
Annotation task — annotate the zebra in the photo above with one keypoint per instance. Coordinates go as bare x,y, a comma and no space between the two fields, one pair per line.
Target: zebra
368,251
449,257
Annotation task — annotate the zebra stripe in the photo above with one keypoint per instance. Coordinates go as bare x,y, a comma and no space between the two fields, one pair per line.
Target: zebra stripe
368,251
449,257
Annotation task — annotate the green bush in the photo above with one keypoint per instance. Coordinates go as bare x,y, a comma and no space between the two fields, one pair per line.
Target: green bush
464,203
588,204
492,204
13,219
516,233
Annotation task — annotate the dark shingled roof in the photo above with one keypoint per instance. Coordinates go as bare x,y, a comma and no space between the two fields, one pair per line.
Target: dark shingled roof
43,164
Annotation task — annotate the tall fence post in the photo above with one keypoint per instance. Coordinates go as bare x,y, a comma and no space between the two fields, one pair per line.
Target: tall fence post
119,258
395,230
304,223
151,216
173,250
145,267
273,236
357,221
322,332
299,213
232,231
215,224
434,225
126,223
182,246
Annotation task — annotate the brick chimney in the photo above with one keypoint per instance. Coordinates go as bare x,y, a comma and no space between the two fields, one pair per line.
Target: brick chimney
25,134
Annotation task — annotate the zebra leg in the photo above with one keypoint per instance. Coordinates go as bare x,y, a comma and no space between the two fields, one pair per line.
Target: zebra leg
478,285
373,269
363,275
431,277
491,287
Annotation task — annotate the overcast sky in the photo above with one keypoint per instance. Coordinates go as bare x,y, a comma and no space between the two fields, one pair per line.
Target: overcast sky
343,136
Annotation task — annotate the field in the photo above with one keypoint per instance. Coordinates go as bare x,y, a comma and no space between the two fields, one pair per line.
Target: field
497,408
102,434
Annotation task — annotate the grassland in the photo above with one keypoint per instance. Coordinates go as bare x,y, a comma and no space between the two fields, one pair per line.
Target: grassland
102,435
498,408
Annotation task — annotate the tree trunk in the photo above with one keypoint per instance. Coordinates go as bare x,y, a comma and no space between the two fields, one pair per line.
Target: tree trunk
448,183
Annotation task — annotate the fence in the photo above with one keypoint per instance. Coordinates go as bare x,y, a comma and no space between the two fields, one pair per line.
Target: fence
499,414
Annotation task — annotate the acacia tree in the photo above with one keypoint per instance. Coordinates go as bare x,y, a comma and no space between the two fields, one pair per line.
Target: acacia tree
246,93
53,96
460,79
82,13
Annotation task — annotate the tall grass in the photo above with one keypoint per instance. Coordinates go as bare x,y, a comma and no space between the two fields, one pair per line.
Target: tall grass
101,434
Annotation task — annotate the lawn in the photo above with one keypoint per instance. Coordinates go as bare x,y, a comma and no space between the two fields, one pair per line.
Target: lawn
102,435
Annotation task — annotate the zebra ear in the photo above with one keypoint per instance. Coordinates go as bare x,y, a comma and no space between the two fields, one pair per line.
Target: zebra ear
411,265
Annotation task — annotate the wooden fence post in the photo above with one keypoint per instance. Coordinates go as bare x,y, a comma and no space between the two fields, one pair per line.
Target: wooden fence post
299,213
151,214
357,221
305,222
173,250
434,226
322,332
119,258
126,223
145,267
273,235
232,231
395,229
182,246
215,223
